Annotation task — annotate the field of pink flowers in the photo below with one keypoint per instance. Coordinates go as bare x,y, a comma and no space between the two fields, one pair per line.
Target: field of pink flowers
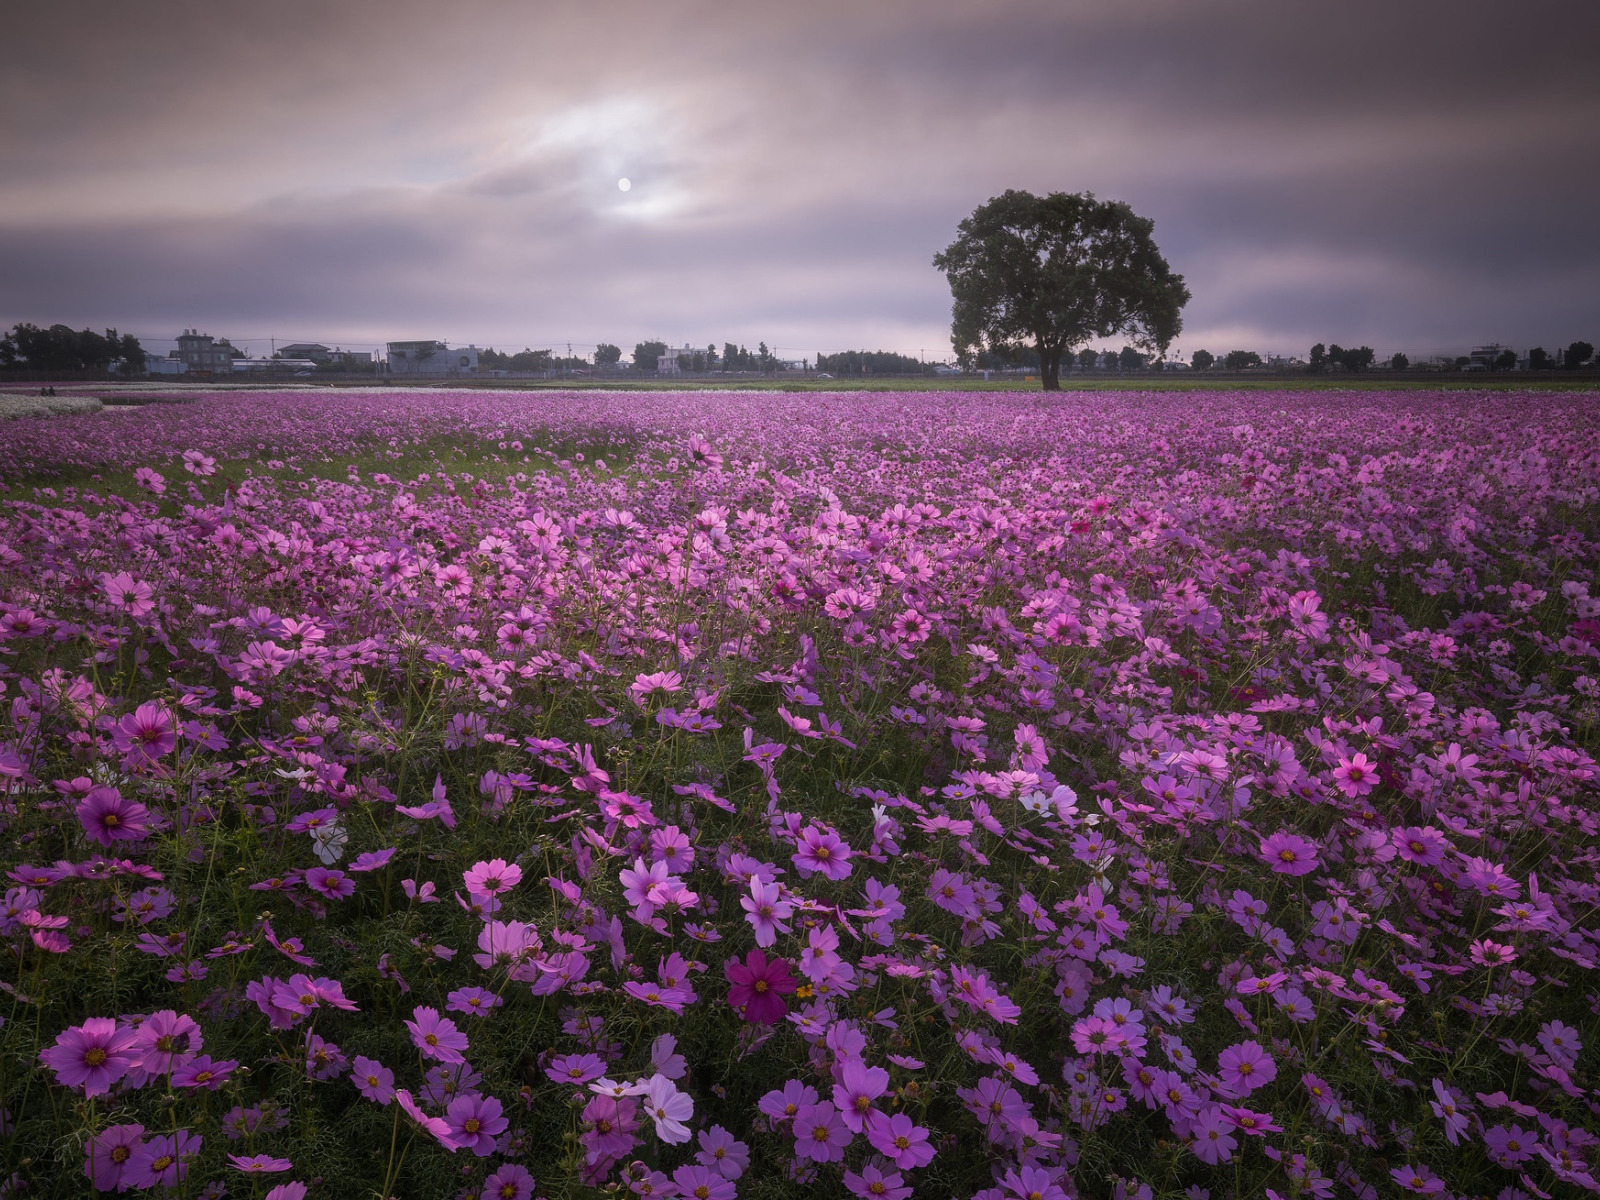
503,796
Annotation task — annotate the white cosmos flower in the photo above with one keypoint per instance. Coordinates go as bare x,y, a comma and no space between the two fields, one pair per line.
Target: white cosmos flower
669,1109
328,843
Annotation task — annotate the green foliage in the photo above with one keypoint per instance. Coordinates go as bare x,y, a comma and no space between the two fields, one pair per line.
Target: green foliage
1238,360
61,348
872,362
524,360
1575,355
1399,362
607,355
647,354
1203,360
1058,271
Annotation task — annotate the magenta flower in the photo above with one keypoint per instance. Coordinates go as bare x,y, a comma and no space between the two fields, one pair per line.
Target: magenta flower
493,877
900,1140
723,1153
766,910
820,1134
372,860
163,1160
1417,1179
821,852
510,1182
202,1072
93,1055
1423,845
876,1184
696,1182
147,733
437,1037
473,1001
859,1085
374,1080
1289,854
107,1154
132,596
259,1164
475,1121
335,885
1243,1068
287,1191
168,1041
437,1126
1355,776
107,818
758,986
1213,1138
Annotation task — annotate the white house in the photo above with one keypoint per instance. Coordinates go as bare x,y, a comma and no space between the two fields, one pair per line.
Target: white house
431,359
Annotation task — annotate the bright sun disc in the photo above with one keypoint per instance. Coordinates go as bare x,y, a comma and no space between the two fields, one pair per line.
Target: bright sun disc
624,184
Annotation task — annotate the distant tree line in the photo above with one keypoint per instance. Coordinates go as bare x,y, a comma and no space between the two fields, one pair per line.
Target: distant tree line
62,348
872,362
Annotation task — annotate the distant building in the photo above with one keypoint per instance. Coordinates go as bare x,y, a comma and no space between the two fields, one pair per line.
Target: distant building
1482,357
431,359
674,359
315,351
202,353
319,354
155,365
281,365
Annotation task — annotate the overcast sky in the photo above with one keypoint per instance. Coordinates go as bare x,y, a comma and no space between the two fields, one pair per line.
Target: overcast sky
1408,174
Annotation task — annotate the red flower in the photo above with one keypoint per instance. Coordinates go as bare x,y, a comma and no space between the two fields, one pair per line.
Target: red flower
758,987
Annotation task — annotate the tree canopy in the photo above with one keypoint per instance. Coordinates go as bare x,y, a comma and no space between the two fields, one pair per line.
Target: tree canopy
1058,271
62,348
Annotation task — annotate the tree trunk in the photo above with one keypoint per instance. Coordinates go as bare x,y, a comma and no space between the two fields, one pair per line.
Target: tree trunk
1050,367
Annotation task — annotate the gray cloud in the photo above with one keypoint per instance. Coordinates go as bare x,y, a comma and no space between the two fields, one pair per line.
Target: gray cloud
1413,176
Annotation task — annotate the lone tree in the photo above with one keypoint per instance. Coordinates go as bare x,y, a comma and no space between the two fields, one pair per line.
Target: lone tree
1058,270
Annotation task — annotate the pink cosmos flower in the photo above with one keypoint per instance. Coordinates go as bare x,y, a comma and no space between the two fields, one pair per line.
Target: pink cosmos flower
900,1140
163,1160
475,1121
1213,1138
372,1079
287,1191
859,1085
695,1182
1491,954
510,1182
1032,1183
766,910
1289,854
147,733
437,1037
372,860
203,1072
876,1184
94,1055
168,1041
107,1154
820,1134
197,462
1355,776
1244,1067
1417,1179
493,877
333,884
723,1153
437,1126
822,852
132,596
259,1164
758,986
108,818
1424,845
